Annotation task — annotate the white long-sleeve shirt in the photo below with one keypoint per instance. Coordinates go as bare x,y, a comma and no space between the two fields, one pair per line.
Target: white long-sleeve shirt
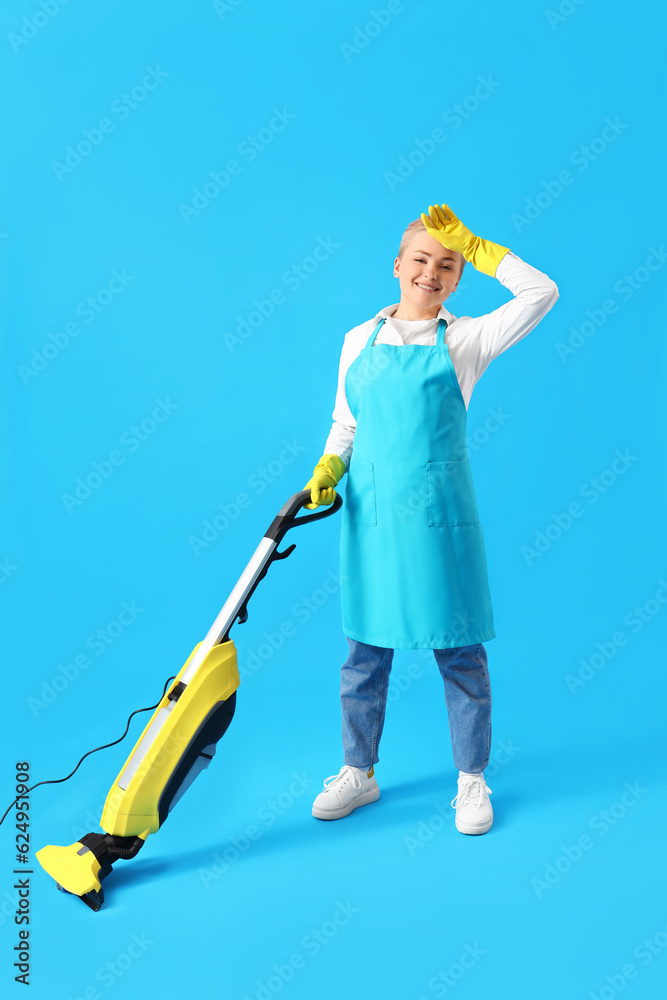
473,341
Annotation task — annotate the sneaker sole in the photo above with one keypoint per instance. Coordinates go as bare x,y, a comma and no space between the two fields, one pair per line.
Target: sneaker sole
468,828
361,800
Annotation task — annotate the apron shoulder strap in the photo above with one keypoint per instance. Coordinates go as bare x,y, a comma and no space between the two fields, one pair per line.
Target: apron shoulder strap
373,335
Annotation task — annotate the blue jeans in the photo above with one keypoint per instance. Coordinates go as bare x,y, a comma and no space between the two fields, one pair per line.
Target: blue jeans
364,680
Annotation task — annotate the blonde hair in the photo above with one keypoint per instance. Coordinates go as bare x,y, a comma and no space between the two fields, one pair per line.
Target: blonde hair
414,229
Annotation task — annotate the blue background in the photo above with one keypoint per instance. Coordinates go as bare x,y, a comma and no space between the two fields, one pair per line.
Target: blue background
358,104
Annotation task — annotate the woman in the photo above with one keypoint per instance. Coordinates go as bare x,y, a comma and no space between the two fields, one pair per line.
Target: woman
413,564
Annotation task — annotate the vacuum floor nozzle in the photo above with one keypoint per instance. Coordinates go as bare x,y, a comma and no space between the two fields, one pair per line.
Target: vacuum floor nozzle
80,868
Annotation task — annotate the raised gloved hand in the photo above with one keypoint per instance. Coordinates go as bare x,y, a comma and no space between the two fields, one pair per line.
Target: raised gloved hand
444,226
327,473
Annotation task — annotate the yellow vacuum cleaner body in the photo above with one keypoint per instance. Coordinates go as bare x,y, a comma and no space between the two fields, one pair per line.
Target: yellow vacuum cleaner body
179,740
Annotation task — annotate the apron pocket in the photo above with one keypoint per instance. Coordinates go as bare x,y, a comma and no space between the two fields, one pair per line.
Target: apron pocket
450,493
360,493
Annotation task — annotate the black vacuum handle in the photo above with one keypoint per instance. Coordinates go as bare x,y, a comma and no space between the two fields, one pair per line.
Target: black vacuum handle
285,518
277,530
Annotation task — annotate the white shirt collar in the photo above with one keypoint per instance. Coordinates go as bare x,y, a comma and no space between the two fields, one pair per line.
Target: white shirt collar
389,311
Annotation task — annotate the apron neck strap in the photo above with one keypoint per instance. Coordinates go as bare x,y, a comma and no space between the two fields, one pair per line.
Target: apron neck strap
439,341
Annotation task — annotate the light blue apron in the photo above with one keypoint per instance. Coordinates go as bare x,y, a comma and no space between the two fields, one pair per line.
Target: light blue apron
413,564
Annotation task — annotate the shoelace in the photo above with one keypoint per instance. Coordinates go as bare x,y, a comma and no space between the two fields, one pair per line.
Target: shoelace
345,772
467,789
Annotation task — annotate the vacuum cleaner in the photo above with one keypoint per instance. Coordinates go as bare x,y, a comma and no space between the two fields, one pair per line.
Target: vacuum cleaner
180,738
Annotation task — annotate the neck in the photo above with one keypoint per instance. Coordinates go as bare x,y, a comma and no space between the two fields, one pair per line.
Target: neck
408,310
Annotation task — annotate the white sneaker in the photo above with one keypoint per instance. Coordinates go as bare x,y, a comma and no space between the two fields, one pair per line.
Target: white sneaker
473,808
345,791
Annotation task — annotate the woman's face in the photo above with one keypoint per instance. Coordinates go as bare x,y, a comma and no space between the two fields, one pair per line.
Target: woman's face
427,272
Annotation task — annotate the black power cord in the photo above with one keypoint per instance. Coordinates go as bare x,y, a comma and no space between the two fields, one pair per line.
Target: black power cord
56,781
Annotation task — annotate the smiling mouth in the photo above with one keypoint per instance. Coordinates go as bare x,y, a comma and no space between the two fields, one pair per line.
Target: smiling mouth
426,288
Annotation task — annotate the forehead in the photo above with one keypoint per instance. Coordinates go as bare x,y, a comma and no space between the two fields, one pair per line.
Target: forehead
429,246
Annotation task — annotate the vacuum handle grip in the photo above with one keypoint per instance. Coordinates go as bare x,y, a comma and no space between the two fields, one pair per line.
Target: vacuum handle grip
328,508
286,519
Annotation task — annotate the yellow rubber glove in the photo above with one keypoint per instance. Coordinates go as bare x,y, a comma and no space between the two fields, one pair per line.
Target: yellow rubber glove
444,226
327,473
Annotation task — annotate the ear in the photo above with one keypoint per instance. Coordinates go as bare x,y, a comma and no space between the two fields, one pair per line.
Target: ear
396,266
